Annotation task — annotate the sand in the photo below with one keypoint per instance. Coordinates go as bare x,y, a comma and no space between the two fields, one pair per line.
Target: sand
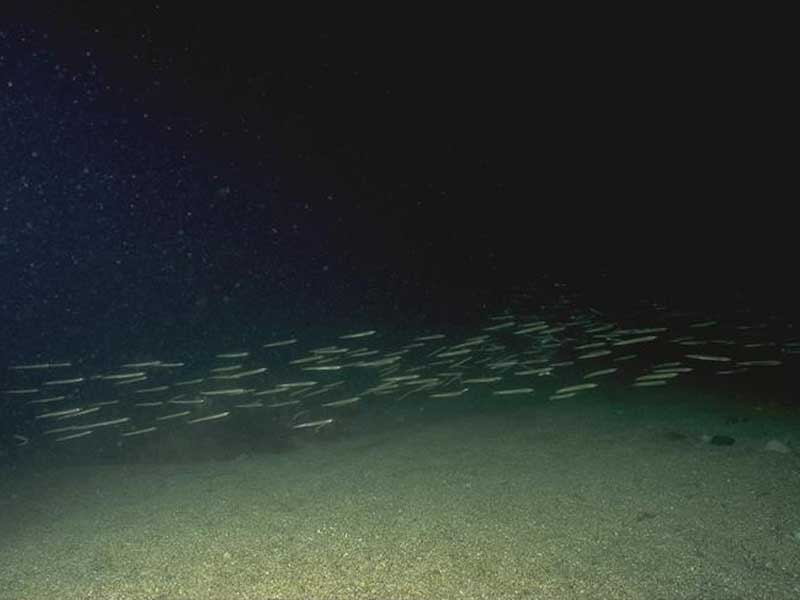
576,498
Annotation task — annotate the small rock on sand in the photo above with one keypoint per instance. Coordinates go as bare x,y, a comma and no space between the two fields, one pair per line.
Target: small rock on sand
777,446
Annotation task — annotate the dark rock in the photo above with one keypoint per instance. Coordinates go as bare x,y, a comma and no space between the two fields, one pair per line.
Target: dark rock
722,440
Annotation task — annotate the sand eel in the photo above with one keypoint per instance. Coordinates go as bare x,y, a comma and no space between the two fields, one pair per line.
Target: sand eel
636,340
190,382
280,343
308,424
759,363
225,392
233,355
601,372
451,394
129,381
58,413
483,379
138,431
183,413
215,417
65,381
360,334
576,388
47,400
33,367
708,357
344,402
595,354
122,376
73,436
657,376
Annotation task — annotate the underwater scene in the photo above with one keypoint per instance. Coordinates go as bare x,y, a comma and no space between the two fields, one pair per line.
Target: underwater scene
385,310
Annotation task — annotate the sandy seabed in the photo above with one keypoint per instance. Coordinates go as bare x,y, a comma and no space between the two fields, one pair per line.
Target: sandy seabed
558,500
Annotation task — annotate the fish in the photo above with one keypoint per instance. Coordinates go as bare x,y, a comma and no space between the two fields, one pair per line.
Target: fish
214,417
308,424
37,366
360,334
513,391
